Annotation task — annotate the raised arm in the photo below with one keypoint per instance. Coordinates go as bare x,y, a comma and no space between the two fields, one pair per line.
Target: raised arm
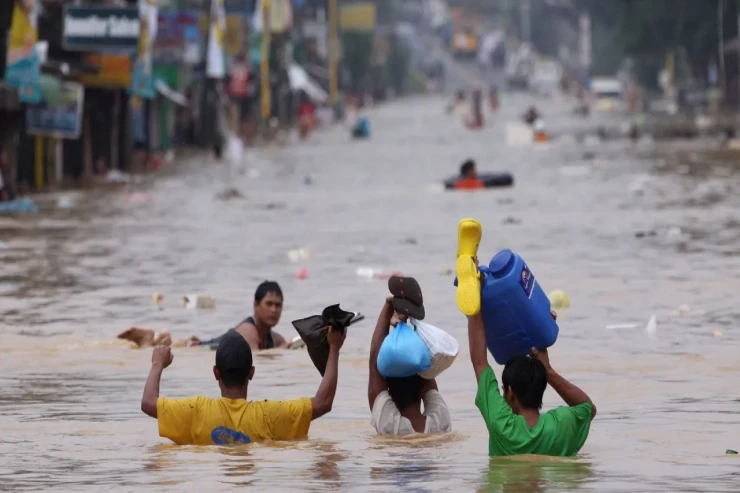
376,383
161,358
570,393
477,342
323,401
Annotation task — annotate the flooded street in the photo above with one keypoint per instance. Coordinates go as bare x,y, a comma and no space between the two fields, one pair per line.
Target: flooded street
628,231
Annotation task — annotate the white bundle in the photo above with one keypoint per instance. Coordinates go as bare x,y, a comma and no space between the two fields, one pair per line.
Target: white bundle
442,346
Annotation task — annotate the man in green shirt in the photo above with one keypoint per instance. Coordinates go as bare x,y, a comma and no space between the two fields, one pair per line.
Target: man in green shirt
515,425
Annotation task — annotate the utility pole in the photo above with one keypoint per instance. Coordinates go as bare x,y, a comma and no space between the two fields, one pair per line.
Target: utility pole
584,22
265,64
525,18
738,52
333,51
205,112
721,31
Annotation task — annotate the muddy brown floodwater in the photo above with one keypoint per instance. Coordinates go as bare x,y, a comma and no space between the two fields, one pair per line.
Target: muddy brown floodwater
668,402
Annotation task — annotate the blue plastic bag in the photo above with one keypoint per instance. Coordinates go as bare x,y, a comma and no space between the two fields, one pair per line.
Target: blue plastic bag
403,353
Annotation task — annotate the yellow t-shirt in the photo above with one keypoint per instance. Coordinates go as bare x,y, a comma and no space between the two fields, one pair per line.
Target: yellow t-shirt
206,421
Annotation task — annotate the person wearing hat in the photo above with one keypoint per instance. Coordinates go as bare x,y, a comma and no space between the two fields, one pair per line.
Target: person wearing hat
232,419
396,403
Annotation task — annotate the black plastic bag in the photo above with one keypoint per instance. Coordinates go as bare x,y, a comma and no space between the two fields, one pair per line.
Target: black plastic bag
311,330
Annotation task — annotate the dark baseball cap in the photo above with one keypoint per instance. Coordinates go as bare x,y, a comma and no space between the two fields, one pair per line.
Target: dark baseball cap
407,298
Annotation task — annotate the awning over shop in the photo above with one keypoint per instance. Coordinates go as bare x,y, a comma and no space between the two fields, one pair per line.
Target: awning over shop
299,80
169,93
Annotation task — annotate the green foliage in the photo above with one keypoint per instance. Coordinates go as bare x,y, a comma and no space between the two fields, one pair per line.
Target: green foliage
649,29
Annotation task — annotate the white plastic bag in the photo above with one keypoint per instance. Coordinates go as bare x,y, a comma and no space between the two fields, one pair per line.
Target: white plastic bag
443,347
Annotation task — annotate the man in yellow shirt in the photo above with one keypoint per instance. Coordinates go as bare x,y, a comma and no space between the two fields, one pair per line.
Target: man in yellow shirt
232,419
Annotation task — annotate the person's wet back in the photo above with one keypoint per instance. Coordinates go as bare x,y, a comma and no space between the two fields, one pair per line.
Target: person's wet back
395,403
514,422
233,419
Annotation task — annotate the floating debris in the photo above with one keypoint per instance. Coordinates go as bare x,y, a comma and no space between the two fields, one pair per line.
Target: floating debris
66,203
559,299
140,198
297,343
199,302
370,273
229,194
687,311
652,326
622,326
511,220
674,232
645,234
299,254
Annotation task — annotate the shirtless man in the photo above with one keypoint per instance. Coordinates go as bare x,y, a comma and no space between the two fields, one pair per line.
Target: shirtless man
257,329
268,306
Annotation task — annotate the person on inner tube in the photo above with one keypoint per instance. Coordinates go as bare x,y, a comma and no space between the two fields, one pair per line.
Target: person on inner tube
468,179
395,403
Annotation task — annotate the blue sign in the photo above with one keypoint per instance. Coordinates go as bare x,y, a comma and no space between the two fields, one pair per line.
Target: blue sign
101,29
60,117
24,75
142,82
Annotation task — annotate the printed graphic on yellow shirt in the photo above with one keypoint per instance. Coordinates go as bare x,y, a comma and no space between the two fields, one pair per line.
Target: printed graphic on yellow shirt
227,436
206,421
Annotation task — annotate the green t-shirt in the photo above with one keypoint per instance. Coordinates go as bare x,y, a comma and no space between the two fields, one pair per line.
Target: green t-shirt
560,432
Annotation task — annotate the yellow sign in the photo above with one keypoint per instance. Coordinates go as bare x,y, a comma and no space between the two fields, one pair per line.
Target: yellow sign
234,42
23,66
233,39
115,71
358,17
23,34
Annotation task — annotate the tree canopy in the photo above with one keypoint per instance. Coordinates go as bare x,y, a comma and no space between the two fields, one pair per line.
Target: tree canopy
647,30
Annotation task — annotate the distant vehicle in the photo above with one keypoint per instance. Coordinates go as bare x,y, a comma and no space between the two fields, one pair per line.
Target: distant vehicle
546,78
520,68
607,91
465,44
492,51
465,33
